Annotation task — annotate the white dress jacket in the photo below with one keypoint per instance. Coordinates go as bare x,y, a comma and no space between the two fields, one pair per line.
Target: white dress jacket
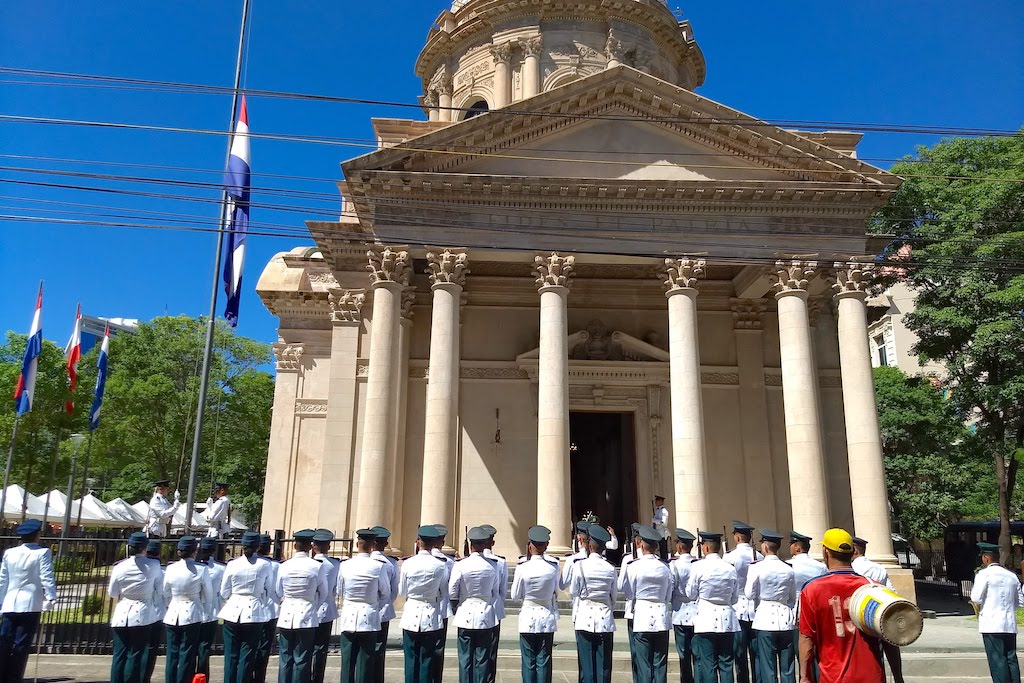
26,578
137,585
302,585
593,589
364,587
389,574
649,585
248,591
423,582
714,585
188,593
741,557
771,590
998,591
684,608
536,584
474,585
328,610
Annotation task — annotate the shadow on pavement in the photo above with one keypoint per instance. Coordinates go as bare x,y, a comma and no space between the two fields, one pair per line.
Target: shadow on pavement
942,599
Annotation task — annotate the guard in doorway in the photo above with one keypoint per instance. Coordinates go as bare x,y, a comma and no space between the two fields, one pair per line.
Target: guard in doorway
659,520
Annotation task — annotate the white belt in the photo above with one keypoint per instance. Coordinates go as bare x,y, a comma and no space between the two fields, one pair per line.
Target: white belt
485,601
652,600
353,601
598,603
774,602
429,603
535,603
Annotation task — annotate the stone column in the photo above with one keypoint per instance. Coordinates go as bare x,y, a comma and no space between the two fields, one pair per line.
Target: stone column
863,437
502,74
614,50
531,65
688,458
402,392
444,98
803,416
448,270
389,275
553,484
281,453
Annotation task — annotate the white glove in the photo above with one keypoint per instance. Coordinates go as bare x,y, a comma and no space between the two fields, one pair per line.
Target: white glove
48,605
177,495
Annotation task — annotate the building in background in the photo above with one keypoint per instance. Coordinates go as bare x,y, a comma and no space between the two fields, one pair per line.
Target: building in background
93,328
890,340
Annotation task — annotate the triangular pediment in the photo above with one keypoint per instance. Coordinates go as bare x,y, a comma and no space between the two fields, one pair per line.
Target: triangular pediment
599,343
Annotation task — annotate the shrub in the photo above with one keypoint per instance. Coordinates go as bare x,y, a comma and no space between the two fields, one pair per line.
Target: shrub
93,604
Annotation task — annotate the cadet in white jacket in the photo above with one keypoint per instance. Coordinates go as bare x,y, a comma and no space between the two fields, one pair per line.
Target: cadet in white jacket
188,593
741,557
328,610
160,512
364,588
997,591
499,607
648,584
594,588
247,590
302,585
474,585
218,512
714,585
387,608
27,589
536,584
273,603
208,632
137,585
423,582
771,589
684,608
630,554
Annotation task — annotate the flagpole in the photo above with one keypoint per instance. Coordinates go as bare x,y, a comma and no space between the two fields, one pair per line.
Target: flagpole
53,476
85,478
7,469
197,440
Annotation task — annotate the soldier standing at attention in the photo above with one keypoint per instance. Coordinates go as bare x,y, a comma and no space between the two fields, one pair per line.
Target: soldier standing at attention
156,629
805,568
998,593
136,584
423,582
593,589
387,607
714,585
631,553
741,557
328,610
208,631
474,586
160,512
649,584
218,512
302,585
683,606
502,566
659,520
365,588
536,584
273,603
771,590
247,584
189,596
437,550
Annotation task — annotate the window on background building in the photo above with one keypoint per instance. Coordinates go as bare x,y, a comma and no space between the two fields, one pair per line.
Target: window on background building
477,108
883,356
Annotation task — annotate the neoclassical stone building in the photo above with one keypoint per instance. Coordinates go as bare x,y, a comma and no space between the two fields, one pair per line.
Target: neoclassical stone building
577,284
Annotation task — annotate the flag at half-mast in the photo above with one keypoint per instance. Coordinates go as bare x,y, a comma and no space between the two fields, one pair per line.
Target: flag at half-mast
101,381
30,362
73,352
237,186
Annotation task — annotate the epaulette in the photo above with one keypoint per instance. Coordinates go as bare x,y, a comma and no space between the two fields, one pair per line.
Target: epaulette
492,560
568,555
522,559
498,557
553,562
440,559
382,560
577,559
406,558
223,564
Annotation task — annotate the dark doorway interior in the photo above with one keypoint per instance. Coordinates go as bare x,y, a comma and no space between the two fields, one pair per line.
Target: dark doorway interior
603,468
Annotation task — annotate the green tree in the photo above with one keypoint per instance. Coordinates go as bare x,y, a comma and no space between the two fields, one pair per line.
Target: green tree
961,210
933,470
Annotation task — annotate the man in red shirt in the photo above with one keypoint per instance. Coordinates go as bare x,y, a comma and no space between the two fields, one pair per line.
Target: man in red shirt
844,654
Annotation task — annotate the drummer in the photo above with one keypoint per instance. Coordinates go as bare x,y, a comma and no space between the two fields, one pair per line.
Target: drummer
847,656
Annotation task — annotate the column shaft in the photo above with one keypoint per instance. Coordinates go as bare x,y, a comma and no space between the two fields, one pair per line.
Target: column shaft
531,66
553,485
405,334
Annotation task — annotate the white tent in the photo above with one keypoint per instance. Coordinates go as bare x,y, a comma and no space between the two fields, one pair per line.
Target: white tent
126,511
58,502
96,513
17,498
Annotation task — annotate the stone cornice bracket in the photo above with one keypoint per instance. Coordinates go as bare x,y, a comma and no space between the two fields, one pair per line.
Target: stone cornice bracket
448,267
748,314
683,273
614,48
793,276
502,52
388,265
408,300
852,278
554,270
531,46
346,305
288,356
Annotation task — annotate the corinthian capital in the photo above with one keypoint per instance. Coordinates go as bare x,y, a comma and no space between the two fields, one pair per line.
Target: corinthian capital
388,265
346,304
554,270
853,277
531,46
449,266
683,273
502,52
747,314
793,276
408,299
430,99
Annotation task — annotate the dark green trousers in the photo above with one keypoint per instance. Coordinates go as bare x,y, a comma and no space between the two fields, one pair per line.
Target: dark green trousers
535,653
1001,650
713,657
266,648
128,664
651,656
156,635
321,645
774,657
241,649
182,653
684,648
358,656
295,650
493,655
475,663
380,649
594,651
632,647
424,655
207,638
741,651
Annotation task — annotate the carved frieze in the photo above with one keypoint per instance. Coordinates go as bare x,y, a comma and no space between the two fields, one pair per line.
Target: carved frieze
748,314
346,304
311,407
468,76
322,279
553,270
793,276
683,273
288,356
448,266
388,265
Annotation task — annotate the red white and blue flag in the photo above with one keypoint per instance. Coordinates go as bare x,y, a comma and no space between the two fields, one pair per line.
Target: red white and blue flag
30,362
73,351
237,183
101,382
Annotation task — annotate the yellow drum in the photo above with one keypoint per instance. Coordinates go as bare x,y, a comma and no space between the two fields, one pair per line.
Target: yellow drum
879,612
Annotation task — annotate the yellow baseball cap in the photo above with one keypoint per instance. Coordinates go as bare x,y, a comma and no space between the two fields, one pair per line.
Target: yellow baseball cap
838,540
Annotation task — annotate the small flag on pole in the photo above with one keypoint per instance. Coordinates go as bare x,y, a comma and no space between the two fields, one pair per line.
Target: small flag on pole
237,185
33,347
73,351
101,382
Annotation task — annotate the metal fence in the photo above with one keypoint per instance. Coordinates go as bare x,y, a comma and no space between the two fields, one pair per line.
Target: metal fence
80,622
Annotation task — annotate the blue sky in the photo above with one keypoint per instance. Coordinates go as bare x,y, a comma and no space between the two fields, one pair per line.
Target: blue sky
918,62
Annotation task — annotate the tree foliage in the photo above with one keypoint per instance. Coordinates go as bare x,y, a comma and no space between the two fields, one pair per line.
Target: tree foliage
961,210
147,422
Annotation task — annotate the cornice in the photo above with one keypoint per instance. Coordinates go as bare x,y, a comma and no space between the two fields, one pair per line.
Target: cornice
293,305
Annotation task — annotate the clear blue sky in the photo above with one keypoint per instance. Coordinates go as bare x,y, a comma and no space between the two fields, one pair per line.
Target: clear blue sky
917,62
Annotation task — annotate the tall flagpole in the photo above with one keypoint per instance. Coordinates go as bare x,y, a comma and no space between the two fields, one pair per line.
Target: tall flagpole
7,468
85,480
197,441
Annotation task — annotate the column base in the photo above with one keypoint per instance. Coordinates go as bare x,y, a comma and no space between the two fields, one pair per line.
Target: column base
903,582
558,550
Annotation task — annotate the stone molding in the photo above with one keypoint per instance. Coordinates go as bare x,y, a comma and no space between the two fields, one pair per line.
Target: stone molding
311,407
683,273
322,279
502,53
531,46
346,304
852,278
288,356
388,265
553,270
448,267
748,314
831,380
793,276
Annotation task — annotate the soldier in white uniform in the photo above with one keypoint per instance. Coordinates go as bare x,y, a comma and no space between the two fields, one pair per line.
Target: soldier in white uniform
714,584
160,512
208,632
594,588
218,511
474,585
630,554
502,566
387,609
741,557
136,583
648,584
659,520
437,550
302,585
997,591
156,633
684,608
364,587
273,603
536,583
328,610
247,590
189,597
771,590
423,582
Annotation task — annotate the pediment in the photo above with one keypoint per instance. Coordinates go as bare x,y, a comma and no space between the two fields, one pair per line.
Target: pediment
598,343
